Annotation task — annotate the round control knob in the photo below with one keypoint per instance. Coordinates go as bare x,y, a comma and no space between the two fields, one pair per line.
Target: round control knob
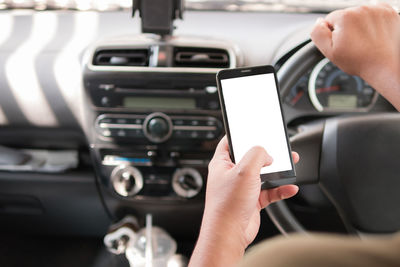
157,127
187,182
126,180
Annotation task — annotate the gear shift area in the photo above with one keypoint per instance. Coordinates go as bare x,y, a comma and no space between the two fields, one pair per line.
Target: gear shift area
150,246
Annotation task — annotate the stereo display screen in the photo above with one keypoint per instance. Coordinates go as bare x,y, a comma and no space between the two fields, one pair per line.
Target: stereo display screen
159,102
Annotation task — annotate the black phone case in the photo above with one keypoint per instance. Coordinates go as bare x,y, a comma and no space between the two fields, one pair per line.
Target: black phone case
269,180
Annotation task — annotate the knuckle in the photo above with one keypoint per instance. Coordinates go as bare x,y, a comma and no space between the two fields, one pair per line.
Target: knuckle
363,11
391,12
364,8
349,15
242,171
316,35
314,31
269,198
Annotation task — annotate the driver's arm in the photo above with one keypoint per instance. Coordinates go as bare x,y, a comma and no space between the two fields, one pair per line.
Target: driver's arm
231,216
364,41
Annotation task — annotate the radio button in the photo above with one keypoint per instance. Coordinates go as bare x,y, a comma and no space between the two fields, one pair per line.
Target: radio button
106,133
178,122
105,120
210,135
194,134
174,154
135,133
121,133
184,134
105,101
122,121
179,134
211,122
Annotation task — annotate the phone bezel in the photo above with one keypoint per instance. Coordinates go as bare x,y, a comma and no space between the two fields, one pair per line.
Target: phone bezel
269,179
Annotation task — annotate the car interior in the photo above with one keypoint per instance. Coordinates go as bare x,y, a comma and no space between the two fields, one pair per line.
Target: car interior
109,116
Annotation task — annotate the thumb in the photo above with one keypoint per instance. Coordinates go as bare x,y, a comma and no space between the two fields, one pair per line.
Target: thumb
321,35
222,150
255,159
275,194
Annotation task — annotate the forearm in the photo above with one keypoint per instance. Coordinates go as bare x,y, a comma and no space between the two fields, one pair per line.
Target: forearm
219,244
386,82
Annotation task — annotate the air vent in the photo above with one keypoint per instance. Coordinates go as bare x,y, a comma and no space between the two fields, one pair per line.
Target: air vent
122,57
194,57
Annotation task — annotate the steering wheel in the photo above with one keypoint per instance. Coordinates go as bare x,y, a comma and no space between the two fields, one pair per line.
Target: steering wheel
354,160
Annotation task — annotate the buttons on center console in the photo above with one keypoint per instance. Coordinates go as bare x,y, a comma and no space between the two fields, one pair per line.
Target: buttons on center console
158,127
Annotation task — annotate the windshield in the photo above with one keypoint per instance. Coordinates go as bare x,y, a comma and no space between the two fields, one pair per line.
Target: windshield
225,5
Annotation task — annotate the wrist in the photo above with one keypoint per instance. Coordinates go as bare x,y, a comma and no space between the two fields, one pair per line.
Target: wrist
220,243
224,227
386,80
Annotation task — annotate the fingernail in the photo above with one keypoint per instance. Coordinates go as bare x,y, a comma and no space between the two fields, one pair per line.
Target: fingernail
270,159
285,195
319,20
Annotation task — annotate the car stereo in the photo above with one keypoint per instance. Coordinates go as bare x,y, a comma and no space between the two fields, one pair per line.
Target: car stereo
152,114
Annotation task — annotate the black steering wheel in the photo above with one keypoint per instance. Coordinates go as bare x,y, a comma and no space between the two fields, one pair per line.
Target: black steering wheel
355,160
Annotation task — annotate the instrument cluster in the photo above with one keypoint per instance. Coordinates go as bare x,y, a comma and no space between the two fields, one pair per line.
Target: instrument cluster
326,88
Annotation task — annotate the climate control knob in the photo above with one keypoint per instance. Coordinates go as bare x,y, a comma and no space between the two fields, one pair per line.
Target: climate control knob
157,127
126,180
187,182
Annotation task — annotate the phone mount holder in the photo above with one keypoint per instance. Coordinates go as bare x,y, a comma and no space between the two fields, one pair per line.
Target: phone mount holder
158,15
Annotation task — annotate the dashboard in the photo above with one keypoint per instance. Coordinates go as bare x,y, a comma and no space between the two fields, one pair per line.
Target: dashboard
141,113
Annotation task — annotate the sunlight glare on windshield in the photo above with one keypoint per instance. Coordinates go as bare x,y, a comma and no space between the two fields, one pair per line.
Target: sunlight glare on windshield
226,5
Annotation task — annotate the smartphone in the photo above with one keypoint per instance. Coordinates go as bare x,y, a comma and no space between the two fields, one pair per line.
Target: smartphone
252,114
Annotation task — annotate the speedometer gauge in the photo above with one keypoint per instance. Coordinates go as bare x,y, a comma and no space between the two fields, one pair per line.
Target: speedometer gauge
331,89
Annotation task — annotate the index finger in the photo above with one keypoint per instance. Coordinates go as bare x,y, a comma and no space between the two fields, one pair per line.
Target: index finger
321,35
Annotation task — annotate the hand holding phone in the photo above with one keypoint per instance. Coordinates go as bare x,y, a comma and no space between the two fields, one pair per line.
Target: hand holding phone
253,116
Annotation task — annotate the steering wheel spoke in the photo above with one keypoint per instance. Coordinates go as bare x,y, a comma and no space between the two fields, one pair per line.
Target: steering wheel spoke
308,144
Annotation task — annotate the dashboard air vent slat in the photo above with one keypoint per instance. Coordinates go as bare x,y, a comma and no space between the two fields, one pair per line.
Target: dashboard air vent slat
122,57
196,57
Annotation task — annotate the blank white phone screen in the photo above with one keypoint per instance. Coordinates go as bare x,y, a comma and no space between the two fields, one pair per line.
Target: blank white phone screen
255,119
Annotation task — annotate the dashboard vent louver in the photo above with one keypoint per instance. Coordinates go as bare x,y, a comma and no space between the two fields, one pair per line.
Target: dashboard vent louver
122,57
196,57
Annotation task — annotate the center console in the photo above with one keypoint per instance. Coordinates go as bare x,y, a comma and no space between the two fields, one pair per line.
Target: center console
152,116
